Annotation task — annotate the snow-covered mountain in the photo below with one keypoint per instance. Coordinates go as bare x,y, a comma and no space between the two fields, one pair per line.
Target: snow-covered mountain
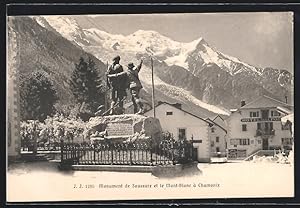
141,41
193,72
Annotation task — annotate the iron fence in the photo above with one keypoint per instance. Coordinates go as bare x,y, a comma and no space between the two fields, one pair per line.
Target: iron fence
127,153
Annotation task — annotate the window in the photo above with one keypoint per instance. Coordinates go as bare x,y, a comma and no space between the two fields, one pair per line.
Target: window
212,143
286,141
264,114
217,139
239,142
244,127
169,113
259,126
268,126
275,113
212,130
182,134
258,141
217,149
244,142
233,141
254,114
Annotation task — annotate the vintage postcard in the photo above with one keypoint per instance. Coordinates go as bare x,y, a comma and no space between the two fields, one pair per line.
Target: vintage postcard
150,106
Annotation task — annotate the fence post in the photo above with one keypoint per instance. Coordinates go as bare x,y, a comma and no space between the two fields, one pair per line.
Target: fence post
94,149
61,150
34,138
130,153
151,144
192,148
112,153
172,152
72,153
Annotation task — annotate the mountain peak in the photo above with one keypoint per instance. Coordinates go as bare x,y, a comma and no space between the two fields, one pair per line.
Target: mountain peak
150,35
149,32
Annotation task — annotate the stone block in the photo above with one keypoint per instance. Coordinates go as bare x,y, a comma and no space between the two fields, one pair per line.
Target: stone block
123,126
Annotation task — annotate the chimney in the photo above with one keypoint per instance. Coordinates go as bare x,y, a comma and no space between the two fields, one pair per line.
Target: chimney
177,105
243,102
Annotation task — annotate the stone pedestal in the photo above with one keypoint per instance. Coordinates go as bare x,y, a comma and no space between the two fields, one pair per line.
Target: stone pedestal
123,126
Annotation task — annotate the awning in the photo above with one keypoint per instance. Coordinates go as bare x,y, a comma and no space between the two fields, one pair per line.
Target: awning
284,110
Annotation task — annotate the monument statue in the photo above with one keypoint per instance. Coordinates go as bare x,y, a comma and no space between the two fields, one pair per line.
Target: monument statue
133,83
117,84
135,86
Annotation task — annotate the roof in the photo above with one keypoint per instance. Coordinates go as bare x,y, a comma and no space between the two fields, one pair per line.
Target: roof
185,111
265,102
223,117
284,110
216,124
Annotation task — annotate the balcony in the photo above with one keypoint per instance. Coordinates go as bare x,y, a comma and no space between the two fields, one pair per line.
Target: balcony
265,132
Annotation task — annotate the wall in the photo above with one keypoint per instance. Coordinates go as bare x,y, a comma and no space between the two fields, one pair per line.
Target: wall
218,132
221,134
195,127
235,131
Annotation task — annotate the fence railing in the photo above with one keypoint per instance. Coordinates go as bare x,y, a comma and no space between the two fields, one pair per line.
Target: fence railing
127,153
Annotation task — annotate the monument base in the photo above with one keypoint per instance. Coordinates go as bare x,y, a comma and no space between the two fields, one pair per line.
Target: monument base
123,126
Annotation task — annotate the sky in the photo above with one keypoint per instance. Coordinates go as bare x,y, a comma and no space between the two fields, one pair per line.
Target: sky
263,39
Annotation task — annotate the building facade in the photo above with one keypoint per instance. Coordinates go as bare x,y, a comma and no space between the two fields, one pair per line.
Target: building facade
218,137
183,124
257,126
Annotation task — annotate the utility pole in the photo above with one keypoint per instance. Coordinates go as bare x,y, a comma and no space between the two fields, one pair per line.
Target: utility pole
153,95
34,138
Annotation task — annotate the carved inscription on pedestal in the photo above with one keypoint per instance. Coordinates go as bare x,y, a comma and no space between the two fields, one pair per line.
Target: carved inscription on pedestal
119,129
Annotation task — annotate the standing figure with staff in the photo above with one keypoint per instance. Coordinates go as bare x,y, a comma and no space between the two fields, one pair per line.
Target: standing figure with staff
117,84
134,84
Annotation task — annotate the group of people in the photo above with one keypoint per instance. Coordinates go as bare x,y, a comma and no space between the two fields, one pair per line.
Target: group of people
119,81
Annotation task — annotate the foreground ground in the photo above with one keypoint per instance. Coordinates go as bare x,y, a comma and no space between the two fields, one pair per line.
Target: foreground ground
42,181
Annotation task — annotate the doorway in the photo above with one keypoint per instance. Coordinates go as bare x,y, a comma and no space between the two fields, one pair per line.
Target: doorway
264,114
265,144
182,134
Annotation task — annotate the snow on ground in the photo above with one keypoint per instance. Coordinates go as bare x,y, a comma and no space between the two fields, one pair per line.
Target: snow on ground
43,181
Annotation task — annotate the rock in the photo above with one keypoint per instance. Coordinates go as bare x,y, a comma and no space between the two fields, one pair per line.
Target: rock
124,126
